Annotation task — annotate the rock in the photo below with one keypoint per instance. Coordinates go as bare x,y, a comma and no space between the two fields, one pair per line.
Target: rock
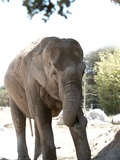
116,119
95,117
97,114
2,129
111,151
9,125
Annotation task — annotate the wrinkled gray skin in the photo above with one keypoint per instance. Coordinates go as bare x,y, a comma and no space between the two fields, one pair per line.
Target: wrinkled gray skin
40,83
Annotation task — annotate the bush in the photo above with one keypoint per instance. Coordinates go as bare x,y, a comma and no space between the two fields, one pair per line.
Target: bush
4,98
108,81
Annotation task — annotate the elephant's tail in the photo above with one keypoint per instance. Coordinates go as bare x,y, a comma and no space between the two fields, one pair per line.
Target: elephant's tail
31,127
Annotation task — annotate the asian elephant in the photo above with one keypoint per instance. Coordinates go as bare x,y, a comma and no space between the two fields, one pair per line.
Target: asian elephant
41,81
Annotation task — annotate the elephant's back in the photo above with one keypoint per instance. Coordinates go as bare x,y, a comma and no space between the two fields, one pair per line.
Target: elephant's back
14,70
14,85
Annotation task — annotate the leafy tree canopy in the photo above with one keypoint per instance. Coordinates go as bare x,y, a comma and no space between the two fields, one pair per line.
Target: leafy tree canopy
91,59
108,81
48,7
4,98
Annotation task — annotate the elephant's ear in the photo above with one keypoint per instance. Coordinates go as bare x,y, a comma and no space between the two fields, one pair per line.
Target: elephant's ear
81,68
37,70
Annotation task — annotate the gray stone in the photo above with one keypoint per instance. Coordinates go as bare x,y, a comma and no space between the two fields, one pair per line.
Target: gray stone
97,114
116,119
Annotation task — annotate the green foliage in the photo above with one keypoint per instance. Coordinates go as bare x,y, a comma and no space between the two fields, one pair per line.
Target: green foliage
4,99
108,81
93,57
47,7
90,61
91,90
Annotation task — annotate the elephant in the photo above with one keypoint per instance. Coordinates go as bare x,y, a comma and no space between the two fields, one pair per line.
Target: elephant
41,81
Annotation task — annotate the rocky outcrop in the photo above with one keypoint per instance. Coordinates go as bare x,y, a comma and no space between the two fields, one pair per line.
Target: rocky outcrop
116,119
111,151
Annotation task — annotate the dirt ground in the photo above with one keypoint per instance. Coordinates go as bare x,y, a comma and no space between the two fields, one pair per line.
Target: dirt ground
98,136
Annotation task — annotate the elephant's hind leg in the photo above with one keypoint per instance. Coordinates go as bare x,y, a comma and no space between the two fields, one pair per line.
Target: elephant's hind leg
19,121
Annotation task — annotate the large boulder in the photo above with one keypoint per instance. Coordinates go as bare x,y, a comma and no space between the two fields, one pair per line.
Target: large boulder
111,151
97,115
116,119
94,116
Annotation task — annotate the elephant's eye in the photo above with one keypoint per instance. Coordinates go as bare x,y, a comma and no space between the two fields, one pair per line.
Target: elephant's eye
54,74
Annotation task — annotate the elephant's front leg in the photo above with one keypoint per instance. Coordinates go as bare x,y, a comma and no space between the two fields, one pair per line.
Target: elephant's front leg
43,123
79,136
43,119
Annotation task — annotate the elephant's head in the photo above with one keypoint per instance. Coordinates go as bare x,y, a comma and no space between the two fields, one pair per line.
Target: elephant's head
60,68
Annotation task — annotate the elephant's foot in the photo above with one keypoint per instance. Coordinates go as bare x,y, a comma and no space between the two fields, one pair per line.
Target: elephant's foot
24,158
84,156
50,158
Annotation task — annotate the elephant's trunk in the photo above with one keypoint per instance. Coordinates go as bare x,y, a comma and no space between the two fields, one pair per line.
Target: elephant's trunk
71,104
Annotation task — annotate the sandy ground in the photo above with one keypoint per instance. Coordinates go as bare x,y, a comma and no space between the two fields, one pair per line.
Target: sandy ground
98,136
